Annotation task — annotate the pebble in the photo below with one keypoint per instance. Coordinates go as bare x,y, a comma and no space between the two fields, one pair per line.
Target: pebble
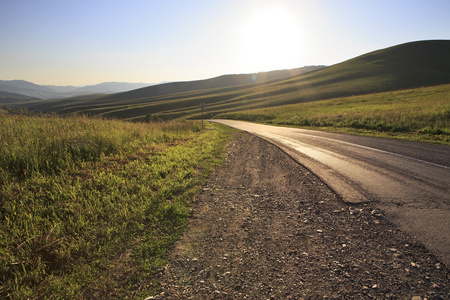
377,213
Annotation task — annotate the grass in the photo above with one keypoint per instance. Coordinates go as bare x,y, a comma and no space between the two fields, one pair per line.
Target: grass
89,207
416,114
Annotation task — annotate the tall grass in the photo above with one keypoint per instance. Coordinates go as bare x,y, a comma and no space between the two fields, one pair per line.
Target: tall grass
47,145
89,206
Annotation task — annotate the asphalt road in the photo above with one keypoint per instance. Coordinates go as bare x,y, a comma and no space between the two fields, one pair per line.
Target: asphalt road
409,181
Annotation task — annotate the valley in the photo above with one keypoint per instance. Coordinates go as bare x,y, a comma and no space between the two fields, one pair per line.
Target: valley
400,91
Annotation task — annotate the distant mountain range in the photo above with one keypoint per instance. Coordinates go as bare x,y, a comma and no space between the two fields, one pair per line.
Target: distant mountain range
26,88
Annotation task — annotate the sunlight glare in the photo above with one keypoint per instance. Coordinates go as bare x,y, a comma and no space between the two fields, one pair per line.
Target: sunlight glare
270,41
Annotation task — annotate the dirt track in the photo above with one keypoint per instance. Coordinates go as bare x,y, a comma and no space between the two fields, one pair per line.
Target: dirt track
264,227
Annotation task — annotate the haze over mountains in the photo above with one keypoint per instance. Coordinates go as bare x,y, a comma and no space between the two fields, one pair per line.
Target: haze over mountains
7,98
32,90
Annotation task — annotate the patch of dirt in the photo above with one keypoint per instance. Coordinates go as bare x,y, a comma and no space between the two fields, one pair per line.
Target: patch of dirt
264,227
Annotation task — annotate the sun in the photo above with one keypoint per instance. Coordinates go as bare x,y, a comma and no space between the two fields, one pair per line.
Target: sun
270,40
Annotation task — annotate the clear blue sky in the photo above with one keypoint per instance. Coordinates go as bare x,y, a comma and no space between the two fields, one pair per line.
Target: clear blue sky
81,42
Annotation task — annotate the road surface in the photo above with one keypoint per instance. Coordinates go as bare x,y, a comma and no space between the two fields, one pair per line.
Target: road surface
409,181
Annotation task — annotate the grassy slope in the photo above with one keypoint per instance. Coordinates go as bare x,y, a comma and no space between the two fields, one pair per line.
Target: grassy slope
89,207
156,91
408,65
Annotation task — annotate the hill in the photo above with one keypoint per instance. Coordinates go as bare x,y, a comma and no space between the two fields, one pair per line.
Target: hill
52,91
216,82
234,80
12,98
410,65
25,88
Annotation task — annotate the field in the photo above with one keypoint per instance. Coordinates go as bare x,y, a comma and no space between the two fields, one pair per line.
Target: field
416,114
89,206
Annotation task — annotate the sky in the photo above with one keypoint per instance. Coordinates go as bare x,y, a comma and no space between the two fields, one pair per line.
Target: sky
83,42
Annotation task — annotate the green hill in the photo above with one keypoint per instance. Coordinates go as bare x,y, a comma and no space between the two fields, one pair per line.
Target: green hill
216,82
99,100
410,65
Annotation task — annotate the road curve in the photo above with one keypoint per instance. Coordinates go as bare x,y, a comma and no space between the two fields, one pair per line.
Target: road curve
409,181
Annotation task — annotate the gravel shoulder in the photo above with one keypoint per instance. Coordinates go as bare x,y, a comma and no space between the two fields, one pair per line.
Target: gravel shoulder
265,227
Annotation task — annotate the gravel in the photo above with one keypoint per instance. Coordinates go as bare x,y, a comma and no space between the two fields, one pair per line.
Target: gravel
265,227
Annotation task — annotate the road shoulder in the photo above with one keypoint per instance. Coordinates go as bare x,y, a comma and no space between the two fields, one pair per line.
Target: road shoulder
264,227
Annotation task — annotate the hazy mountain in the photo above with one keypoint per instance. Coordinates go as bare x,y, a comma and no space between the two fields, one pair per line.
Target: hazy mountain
26,88
62,89
52,91
109,88
8,98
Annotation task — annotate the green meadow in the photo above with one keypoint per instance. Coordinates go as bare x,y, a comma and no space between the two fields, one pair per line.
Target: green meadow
90,206
421,114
